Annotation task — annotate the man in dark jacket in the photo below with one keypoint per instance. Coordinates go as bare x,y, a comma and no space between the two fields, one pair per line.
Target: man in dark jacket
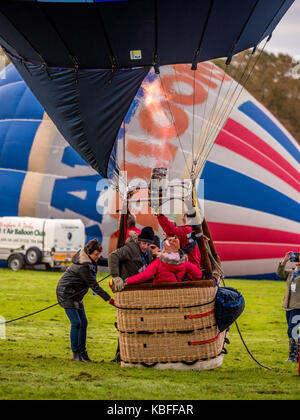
131,258
71,289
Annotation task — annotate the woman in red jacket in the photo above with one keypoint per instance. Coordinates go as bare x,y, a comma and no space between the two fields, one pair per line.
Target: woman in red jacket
171,266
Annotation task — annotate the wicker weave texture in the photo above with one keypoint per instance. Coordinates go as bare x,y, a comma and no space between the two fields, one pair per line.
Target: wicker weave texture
182,319
168,325
175,347
164,298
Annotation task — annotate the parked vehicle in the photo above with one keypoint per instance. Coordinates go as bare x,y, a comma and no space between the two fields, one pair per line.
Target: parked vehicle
27,241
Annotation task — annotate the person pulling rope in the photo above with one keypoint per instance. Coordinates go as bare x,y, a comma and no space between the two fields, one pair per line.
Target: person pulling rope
72,287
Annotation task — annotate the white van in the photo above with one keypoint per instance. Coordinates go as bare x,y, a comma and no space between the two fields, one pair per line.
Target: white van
32,241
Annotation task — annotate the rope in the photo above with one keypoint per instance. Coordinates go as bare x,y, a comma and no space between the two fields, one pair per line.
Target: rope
54,27
205,106
205,314
193,127
167,332
220,270
181,102
249,352
200,343
204,135
163,307
124,146
242,30
52,306
214,116
197,52
155,55
43,61
174,361
224,110
173,121
112,57
125,221
48,307
221,113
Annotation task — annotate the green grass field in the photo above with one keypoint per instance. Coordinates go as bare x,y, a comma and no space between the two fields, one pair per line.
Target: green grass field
35,357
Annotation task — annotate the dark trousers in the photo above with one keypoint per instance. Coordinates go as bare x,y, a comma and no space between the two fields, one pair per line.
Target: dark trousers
79,325
293,319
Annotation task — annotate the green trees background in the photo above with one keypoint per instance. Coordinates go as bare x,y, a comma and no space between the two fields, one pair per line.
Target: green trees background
269,78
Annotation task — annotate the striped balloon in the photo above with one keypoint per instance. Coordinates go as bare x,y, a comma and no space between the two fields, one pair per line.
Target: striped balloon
252,191
251,177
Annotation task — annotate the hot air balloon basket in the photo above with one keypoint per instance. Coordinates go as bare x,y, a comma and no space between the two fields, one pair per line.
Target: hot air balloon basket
169,325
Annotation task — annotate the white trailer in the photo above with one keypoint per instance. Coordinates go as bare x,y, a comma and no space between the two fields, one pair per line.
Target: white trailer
32,241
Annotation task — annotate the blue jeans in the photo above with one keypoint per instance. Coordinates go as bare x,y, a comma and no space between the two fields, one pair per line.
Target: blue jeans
79,325
289,317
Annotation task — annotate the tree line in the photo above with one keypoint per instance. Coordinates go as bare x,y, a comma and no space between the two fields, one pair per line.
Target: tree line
272,80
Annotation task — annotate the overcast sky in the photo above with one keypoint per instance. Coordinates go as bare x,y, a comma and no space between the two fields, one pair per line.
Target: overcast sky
286,37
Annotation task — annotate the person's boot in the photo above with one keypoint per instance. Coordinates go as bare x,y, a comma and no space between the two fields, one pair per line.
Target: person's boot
294,351
85,357
77,357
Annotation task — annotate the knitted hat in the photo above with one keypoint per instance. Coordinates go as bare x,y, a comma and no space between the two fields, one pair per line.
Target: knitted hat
147,235
156,241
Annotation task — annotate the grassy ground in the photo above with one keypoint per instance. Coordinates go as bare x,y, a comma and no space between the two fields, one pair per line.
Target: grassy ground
35,356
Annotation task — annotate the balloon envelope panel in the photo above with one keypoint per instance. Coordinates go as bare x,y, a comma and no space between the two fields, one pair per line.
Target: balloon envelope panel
40,174
131,33
251,178
252,191
87,91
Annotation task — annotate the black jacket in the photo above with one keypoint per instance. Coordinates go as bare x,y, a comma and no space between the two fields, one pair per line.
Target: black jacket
127,260
77,280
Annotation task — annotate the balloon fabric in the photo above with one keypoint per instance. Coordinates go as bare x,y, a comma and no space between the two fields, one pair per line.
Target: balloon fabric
73,55
251,177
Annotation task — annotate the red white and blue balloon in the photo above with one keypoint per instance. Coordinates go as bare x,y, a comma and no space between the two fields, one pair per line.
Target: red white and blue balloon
251,176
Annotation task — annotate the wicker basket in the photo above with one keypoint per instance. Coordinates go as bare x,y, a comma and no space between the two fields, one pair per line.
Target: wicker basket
169,323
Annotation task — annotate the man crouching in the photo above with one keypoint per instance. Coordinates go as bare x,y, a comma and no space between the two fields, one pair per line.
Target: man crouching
130,259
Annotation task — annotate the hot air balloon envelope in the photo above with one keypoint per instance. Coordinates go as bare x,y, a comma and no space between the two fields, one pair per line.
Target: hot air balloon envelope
74,55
